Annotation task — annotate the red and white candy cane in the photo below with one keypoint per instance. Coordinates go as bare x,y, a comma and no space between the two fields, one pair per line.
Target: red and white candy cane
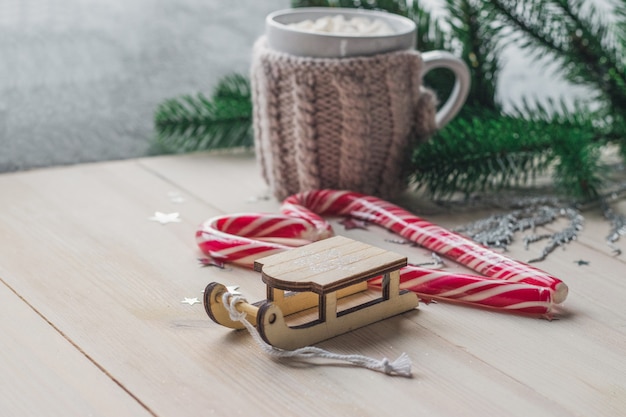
496,294
508,285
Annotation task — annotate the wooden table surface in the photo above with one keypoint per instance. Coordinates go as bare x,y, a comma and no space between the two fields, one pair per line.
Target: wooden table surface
93,324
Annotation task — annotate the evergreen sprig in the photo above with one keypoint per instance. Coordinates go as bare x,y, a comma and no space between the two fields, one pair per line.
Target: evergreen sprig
501,151
496,151
191,123
472,27
430,35
589,47
393,6
568,141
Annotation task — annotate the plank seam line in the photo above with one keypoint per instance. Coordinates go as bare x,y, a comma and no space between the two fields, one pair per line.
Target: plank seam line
83,352
172,182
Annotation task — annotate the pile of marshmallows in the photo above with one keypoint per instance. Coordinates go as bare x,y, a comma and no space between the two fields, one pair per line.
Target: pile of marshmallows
340,25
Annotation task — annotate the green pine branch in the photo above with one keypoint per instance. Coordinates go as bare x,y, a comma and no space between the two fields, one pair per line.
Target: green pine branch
430,35
575,34
310,3
394,6
482,153
490,151
192,123
479,38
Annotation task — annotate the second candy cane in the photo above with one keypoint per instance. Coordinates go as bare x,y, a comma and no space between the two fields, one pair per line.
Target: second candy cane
428,235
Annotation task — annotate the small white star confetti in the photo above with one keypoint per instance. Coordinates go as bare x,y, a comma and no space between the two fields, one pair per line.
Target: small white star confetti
175,197
165,218
191,301
233,289
256,199
208,261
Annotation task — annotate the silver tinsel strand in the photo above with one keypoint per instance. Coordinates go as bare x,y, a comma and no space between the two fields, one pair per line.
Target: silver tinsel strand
618,228
498,230
559,238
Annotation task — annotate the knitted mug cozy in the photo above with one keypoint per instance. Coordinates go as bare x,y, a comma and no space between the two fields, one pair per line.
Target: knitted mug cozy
339,123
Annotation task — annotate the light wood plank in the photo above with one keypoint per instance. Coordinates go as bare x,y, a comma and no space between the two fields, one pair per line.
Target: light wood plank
43,374
594,307
105,277
112,282
230,182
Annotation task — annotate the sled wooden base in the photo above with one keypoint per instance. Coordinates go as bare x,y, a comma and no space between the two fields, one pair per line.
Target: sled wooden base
319,291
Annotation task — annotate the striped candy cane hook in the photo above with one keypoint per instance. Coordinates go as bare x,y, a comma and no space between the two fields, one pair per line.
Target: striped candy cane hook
506,284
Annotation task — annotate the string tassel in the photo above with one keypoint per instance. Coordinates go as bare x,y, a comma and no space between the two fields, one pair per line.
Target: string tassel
400,367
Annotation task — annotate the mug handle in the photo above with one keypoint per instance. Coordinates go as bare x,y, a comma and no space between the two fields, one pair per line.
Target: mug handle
442,59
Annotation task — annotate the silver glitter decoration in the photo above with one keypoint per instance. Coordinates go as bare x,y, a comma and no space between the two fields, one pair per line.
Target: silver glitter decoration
400,242
559,238
436,263
256,199
175,197
618,228
437,260
499,230
532,210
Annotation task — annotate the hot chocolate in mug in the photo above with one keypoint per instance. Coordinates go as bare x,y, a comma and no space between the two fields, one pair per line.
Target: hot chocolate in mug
343,110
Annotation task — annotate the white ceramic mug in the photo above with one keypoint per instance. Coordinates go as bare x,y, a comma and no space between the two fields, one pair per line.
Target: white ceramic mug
344,111
285,38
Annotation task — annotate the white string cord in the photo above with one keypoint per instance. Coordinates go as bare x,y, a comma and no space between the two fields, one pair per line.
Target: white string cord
401,366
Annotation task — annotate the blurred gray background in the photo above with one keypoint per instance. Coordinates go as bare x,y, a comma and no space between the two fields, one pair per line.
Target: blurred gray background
80,79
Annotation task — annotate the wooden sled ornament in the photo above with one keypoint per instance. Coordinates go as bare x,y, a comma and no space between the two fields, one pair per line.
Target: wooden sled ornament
319,291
